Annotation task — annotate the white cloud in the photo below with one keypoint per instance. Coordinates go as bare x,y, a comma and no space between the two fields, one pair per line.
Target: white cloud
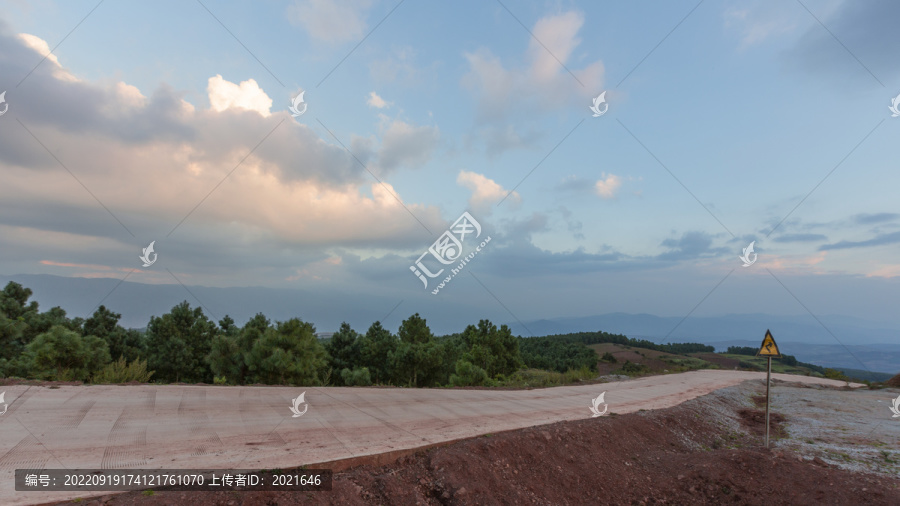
151,159
225,95
544,83
885,271
486,193
606,188
376,101
398,67
759,21
557,40
40,46
331,21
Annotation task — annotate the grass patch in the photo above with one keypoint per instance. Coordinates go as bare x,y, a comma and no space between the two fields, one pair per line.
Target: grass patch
537,378
632,369
685,363
759,364
122,372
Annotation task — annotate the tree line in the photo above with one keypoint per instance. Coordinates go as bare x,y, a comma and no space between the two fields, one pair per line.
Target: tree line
184,345
600,337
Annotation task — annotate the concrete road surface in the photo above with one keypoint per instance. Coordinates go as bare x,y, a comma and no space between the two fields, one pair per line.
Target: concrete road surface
178,427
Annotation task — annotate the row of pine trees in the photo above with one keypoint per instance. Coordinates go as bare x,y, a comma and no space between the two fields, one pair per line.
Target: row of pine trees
184,345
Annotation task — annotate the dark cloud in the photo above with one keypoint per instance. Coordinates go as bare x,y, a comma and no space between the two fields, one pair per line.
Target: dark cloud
405,145
527,260
868,219
689,246
876,241
576,184
869,31
801,238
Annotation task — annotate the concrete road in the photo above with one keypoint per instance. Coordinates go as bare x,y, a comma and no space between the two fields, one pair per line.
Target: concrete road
178,427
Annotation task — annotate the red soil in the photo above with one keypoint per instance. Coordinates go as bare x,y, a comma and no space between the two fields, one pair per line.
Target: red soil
671,456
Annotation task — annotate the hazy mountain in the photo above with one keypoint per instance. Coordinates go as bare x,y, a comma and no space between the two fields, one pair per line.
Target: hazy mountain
751,327
801,336
137,302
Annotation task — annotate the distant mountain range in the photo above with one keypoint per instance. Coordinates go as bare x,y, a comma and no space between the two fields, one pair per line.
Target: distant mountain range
137,302
876,345
752,327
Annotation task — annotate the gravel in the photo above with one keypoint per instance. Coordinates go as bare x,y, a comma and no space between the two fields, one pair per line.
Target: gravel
850,429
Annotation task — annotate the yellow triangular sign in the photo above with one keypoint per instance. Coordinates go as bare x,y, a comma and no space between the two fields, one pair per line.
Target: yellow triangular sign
768,348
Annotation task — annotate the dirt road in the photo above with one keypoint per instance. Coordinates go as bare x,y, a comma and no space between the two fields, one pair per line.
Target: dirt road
147,426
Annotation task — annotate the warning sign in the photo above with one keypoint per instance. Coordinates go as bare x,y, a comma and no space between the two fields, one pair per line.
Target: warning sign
768,348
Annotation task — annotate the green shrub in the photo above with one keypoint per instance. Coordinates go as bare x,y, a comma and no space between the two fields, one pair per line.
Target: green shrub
537,378
608,357
632,369
61,354
220,380
743,364
468,374
836,375
357,377
122,372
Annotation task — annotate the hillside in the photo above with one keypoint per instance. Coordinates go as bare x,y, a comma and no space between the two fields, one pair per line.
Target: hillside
647,361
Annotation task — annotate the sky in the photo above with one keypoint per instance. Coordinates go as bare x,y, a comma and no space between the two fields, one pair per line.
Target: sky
723,124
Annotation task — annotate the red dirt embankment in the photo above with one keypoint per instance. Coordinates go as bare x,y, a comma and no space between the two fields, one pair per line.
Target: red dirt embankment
671,456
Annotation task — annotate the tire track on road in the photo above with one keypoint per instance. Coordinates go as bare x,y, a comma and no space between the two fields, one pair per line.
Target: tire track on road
14,406
192,414
28,453
126,442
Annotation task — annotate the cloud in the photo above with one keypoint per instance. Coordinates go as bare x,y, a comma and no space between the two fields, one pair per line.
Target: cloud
794,263
574,183
224,95
486,193
801,238
759,21
544,84
396,68
406,145
879,240
318,271
606,188
330,21
235,172
500,139
376,101
867,29
40,46
573,225
887,271
869,219
690,246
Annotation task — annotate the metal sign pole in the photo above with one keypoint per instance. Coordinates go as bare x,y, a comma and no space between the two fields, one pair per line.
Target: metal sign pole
768,381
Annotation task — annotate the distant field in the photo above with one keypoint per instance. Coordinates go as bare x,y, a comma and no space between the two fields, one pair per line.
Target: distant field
759,364
865,375
718,359
656,361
